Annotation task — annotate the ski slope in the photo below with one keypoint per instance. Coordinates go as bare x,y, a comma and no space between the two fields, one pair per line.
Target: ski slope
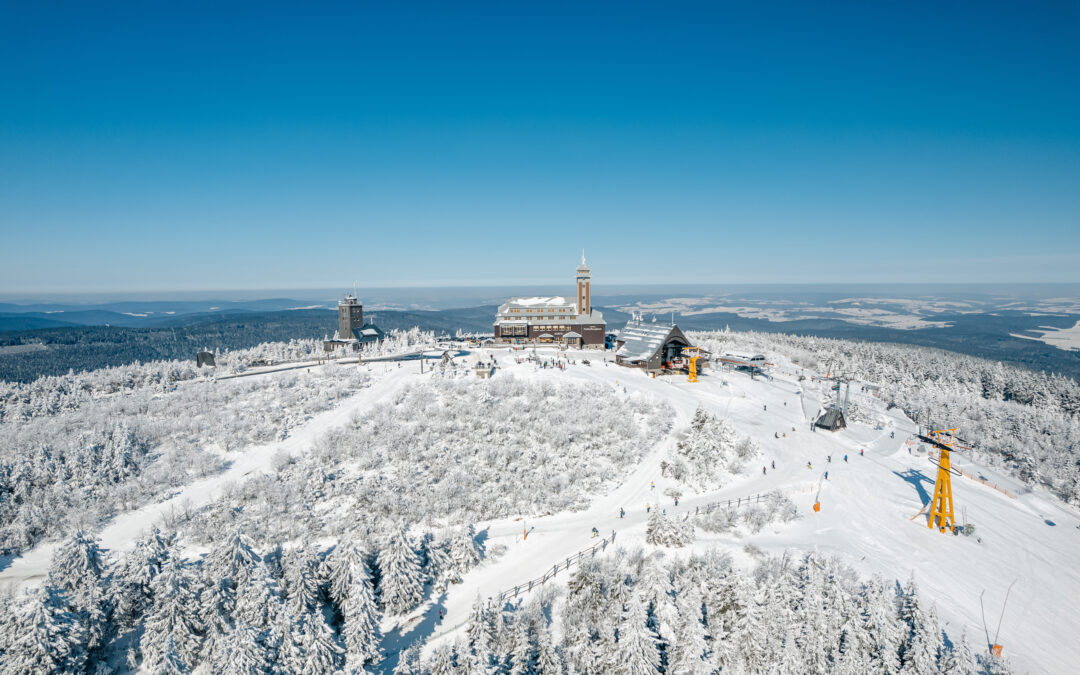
866,517
867,506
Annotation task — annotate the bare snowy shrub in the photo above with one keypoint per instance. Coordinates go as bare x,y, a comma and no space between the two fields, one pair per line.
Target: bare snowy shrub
433,454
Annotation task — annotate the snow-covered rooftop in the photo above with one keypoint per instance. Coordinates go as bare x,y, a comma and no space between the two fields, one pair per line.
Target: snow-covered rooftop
537,301
642,339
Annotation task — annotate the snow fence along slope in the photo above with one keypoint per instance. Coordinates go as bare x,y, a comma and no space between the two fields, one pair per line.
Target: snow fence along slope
450,451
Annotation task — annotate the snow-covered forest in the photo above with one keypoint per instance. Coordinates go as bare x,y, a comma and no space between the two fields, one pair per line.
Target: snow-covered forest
638,613
234,609
303,609
1022,420
447,451
53,394
72,454
326,558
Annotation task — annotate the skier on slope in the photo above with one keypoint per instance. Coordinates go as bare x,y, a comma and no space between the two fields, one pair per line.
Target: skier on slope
774,465
622,512
845,459
809,466
860,452
595,532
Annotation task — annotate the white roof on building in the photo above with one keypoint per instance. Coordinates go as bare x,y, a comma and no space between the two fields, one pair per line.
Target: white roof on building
553,301
642,340
572,334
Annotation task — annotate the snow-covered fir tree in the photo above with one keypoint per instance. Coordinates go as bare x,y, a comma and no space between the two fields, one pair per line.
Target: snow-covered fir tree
400,584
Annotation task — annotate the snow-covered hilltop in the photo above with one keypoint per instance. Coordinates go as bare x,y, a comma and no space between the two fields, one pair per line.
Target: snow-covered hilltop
565,515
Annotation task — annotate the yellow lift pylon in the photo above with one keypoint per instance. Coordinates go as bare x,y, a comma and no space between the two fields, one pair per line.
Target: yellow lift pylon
941,512
693,353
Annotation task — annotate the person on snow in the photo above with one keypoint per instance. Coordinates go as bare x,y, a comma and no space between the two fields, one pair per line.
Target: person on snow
828,458
860,452
595,532
763,472
809,466
774,465
622,512
676,501
826,475
647,507
652,485
845,459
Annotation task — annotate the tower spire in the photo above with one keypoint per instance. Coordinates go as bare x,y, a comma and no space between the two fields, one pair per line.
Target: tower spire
582,256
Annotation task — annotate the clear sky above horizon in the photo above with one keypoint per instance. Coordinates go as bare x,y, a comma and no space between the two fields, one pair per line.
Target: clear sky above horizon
187,146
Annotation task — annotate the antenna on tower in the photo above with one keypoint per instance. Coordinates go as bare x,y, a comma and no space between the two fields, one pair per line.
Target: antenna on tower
582,256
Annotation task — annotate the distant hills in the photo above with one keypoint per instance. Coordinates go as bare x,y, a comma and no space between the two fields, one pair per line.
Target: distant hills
83,337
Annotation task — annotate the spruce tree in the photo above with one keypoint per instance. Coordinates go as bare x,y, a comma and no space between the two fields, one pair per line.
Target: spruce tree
361,618
320,650
50,638
400,585
172,624
638,646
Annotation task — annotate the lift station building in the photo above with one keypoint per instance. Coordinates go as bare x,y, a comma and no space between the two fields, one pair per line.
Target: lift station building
649,345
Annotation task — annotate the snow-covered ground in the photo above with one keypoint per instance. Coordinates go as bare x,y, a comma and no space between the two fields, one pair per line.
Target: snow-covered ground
1062,338
866,518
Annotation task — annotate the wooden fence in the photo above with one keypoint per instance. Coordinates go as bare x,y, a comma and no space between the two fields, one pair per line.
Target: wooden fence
502,597
527,586
738,502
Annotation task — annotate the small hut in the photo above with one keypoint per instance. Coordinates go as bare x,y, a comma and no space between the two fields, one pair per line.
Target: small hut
832,420
204,359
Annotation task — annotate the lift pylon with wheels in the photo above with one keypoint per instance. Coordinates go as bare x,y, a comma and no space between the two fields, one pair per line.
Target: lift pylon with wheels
941,514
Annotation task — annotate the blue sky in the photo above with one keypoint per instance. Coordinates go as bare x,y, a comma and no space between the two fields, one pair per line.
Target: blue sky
181,146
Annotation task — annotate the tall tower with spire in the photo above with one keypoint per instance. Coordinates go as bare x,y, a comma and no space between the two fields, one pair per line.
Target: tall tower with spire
584,297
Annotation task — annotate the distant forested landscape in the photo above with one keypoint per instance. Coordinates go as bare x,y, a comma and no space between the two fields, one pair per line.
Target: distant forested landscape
26,355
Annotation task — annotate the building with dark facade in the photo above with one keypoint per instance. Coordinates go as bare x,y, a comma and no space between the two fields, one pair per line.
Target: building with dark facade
649,345
553,320
352,330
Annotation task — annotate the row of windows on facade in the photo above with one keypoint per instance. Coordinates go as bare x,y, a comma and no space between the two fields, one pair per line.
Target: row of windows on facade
524,330
539,314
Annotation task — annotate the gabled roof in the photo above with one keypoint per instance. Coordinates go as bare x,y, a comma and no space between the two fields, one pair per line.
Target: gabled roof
369,332
832,419
642,340
572,334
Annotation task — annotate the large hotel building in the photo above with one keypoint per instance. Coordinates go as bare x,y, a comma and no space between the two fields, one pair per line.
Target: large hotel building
553,319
